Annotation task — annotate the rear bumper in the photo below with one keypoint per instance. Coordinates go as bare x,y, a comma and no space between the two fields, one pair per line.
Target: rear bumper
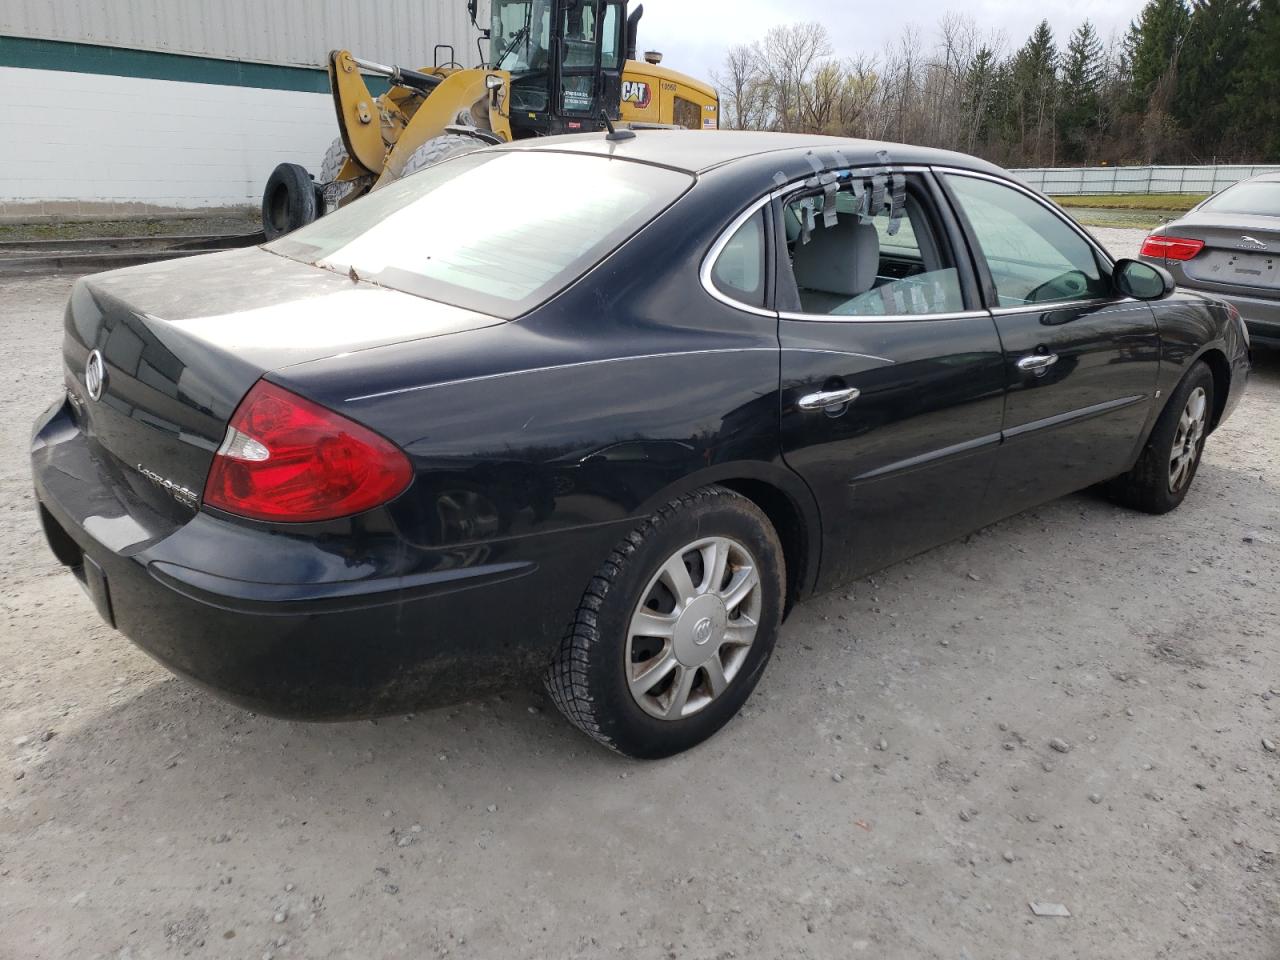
373,630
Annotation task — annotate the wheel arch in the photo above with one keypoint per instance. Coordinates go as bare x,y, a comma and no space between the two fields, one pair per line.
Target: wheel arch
783,498
1216,360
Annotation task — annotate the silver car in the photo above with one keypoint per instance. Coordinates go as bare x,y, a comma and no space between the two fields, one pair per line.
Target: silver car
1229,247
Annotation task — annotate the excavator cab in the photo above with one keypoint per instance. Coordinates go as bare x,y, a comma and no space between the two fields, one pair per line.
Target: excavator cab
565,58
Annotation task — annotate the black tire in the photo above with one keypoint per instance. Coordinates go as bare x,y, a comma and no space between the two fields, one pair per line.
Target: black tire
1150,486
441,148
588,676
289,200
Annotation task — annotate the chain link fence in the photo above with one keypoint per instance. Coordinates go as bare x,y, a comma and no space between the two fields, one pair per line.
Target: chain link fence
1075,181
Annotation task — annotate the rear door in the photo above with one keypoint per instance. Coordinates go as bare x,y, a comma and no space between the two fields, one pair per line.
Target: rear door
1080,361
892,379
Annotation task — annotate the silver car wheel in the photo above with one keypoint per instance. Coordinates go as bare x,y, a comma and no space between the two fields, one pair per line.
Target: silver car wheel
693,628
1186,440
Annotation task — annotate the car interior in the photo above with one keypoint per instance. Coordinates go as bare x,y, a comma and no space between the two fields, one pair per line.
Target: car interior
882,262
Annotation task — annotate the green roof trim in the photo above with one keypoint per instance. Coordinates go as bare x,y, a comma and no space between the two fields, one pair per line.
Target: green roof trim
67,57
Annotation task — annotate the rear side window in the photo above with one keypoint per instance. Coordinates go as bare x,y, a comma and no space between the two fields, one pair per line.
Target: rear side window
880,257
1259,198
739,270
496,231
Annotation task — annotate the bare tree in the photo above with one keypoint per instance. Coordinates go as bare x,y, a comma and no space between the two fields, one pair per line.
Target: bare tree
743,92
791,56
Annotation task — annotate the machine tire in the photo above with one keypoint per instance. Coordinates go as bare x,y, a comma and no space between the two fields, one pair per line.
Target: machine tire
335,159
441,148
289,201
589,677
1183,426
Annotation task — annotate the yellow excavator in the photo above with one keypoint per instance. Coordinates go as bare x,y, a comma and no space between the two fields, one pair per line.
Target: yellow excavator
551,67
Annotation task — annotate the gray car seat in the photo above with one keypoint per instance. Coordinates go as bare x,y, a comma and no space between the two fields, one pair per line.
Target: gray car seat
837,264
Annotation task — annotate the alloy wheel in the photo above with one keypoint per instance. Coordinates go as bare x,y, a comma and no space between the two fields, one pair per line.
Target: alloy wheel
1186,440
690,634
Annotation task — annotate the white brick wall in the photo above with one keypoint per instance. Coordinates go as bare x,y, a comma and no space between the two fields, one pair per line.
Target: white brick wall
105,139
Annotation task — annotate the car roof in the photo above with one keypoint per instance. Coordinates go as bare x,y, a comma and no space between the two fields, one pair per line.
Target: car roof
698,151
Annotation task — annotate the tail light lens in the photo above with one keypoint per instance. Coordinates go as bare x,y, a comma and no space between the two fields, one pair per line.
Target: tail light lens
288,459
1171,248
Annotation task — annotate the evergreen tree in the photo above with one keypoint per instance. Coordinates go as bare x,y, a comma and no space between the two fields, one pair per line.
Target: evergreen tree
1255,101
1082,74
978,101
1154,41
1209,70
1035,82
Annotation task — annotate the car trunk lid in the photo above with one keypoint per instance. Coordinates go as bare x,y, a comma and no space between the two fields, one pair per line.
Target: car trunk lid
181,342
1241,252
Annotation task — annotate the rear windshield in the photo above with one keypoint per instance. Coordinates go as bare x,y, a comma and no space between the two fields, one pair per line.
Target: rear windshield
497,231
1259,197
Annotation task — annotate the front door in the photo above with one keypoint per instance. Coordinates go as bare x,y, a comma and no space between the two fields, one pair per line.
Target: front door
892,379
1080,360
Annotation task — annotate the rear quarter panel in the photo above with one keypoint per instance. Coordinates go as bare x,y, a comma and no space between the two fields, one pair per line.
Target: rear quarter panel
628,388
1192,327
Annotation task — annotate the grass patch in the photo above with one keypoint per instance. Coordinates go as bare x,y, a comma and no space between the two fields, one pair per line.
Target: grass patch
1163,202
133,227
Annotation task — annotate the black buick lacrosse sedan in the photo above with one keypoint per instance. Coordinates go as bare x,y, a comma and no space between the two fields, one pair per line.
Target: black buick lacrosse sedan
600,410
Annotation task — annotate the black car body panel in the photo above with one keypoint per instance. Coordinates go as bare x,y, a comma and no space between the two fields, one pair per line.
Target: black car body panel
538,443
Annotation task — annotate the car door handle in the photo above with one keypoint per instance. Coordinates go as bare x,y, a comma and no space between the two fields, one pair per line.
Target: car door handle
829,398
1038,361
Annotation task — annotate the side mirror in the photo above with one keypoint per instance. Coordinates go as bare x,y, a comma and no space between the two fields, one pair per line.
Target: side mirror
1142,281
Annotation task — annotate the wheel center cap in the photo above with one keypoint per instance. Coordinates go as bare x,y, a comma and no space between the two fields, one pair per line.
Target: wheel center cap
700,630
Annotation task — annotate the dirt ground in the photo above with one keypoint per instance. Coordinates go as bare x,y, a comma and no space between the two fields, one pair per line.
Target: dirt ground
890,791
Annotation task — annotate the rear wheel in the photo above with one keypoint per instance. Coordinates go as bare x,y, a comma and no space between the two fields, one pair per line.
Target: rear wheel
1163,474
441,148
675,629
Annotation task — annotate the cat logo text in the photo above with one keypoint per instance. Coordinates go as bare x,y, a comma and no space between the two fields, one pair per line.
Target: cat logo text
636,92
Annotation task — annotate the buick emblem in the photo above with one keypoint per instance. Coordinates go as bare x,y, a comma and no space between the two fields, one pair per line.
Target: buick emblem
95,375
702,631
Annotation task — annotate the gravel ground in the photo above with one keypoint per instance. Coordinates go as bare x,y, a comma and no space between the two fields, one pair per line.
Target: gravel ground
1067,707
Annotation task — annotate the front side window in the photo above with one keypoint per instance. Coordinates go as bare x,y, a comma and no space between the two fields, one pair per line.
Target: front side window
738,272
881,257
520,33
495,231
1033,255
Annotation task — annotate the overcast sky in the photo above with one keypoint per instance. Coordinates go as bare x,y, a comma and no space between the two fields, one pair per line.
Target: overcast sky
693,34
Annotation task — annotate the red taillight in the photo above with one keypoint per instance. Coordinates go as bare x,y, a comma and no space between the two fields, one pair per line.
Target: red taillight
1171,248
288,459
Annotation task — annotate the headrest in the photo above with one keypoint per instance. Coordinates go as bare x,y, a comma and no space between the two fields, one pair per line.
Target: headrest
842,260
